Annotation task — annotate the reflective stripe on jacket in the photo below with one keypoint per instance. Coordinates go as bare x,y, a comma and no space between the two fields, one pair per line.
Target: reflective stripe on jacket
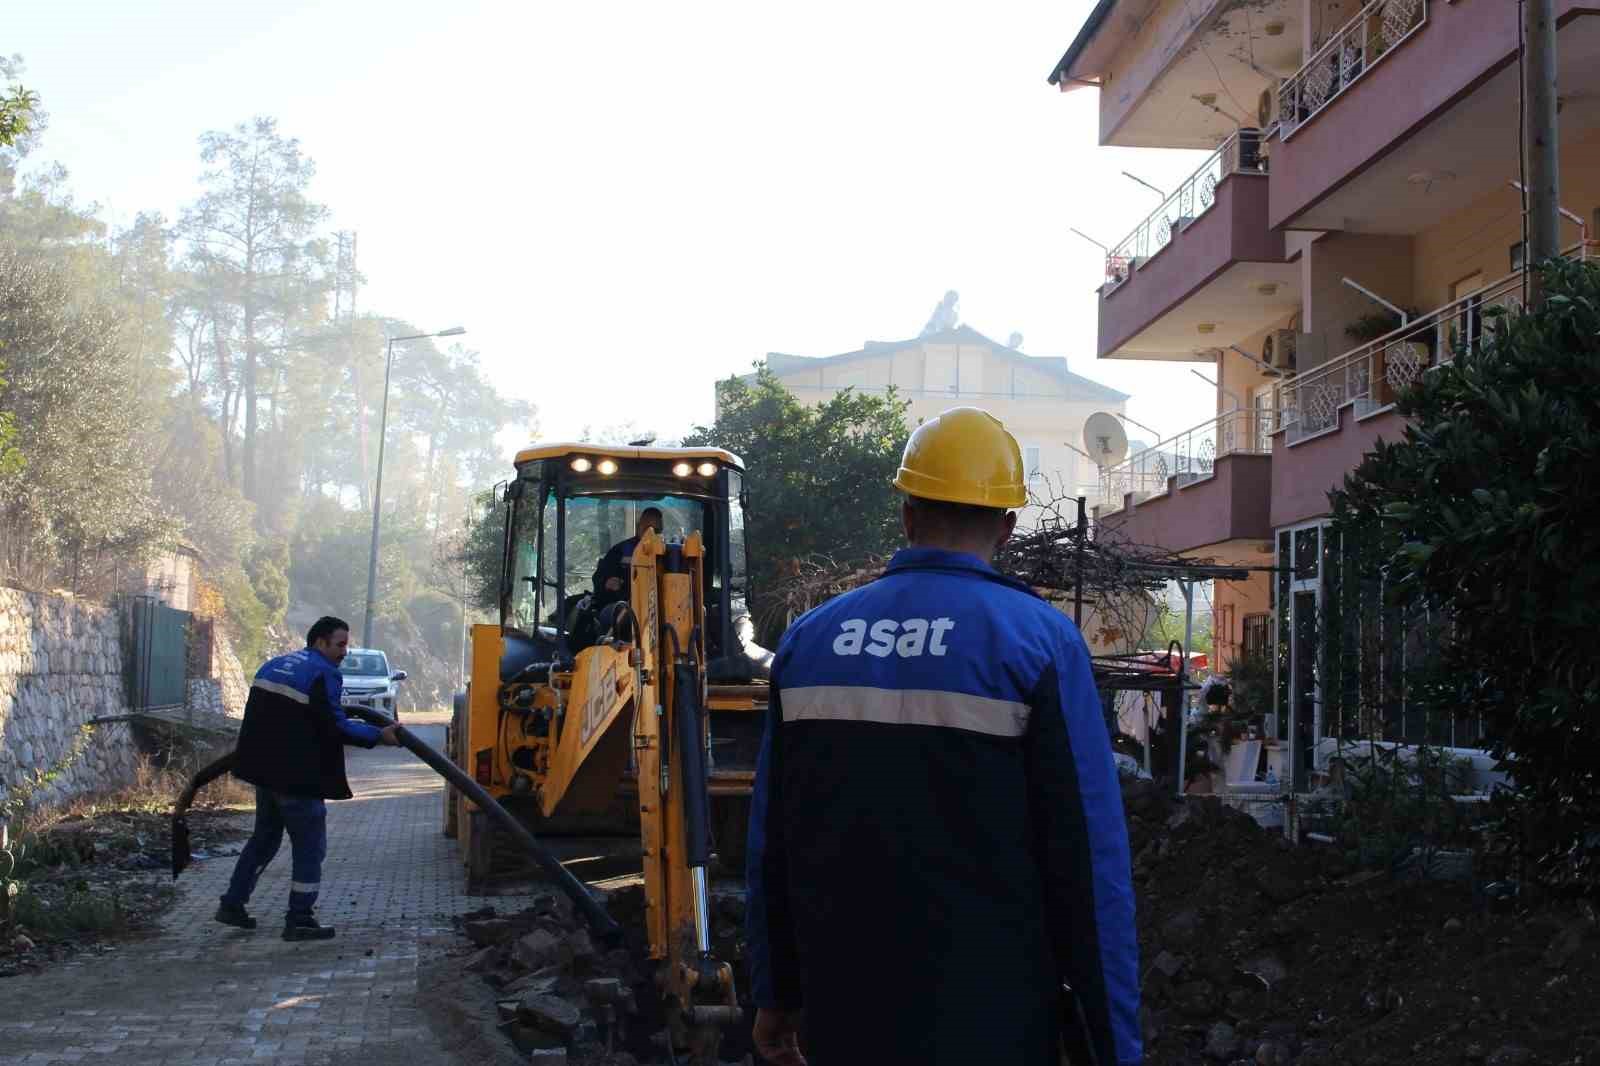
937,839
294,731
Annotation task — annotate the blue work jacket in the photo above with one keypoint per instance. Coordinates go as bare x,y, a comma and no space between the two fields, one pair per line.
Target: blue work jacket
937,841
294,731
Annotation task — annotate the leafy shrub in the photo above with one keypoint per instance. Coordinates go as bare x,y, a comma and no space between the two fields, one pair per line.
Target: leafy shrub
1484,514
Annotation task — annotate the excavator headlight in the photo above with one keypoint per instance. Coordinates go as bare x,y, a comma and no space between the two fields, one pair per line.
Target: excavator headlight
580,464
707,469
682,469
607,467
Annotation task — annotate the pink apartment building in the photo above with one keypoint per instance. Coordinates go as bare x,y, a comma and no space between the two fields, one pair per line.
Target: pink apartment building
1356,215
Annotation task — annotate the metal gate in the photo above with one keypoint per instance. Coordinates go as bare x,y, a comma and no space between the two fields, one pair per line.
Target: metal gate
160,654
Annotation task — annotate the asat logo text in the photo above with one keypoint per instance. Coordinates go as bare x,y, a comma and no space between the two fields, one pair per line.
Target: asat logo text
907,639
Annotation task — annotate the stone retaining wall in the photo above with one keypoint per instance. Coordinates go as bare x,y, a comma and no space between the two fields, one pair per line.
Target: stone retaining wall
61,664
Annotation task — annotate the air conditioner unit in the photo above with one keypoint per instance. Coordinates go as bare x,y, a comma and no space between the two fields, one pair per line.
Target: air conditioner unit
1267,107
1278,350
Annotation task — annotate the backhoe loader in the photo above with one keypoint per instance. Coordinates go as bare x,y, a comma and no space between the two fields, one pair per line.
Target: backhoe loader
639,716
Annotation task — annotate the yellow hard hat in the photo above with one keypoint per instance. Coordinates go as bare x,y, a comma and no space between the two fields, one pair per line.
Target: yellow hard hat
964,456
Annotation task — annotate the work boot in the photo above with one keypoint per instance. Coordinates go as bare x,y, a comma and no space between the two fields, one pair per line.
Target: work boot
305,927
235,915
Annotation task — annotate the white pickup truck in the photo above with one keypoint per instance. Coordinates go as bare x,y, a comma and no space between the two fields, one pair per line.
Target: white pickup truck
368,681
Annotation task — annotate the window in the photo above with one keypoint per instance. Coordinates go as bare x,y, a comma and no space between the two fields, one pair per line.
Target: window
365,664
1030,461
1257,634
1516,256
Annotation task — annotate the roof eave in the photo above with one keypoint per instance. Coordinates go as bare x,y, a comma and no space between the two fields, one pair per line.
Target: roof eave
1086,34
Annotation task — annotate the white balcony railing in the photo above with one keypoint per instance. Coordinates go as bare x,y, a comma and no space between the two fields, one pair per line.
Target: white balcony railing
1353,50
1240,153
1189,456
1372,376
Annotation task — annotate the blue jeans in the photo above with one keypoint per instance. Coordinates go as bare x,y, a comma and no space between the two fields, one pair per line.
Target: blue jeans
307,823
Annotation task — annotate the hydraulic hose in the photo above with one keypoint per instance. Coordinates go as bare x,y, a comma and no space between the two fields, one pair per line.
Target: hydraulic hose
599,919
181,856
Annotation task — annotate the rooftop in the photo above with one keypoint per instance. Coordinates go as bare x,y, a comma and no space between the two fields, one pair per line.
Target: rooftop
1053,365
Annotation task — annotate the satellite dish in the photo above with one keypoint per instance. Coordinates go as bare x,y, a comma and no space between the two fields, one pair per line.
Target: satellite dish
1105,439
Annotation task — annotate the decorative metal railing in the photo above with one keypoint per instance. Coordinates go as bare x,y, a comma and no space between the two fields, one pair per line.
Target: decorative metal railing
1240,153
1372,376
1188,456
1354,49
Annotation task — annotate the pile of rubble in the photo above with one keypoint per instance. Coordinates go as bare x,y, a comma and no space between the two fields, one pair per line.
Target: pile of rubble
562,998
1254,951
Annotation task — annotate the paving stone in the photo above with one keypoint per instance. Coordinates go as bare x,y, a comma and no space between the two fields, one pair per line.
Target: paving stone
202,994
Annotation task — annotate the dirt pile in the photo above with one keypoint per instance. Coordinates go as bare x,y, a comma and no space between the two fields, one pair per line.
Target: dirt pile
1256,951
562,997
1253,953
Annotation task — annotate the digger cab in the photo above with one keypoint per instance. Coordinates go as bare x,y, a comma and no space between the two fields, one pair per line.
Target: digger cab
571,503
567,506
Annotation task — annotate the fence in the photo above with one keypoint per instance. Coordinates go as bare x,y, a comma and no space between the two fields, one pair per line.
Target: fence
1188,456
1352,51
1240,153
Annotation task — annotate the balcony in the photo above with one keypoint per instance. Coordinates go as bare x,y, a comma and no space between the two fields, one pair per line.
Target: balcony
1239,154
1210,234
1331,415
1409,114
1354,50
1369,378
1206,486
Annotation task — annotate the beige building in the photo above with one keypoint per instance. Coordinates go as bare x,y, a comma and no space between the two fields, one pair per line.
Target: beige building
1041,402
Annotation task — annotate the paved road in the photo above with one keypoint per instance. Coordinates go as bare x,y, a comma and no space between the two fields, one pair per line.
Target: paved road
202,994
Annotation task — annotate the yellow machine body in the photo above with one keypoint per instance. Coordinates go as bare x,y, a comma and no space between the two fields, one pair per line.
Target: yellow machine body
589,740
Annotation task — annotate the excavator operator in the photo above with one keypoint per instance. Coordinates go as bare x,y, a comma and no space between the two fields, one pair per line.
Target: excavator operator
611,575
938,862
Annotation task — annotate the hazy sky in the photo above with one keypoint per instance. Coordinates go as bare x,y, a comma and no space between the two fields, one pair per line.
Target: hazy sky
624,202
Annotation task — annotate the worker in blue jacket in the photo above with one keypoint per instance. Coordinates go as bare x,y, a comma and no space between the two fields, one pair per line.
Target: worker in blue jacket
937,843
291,747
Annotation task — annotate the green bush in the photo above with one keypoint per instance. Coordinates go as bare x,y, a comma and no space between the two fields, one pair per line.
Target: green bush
247,617
58,910
1484,515
1397,803
268,567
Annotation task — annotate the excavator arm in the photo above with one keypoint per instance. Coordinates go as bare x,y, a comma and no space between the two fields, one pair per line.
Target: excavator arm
639,695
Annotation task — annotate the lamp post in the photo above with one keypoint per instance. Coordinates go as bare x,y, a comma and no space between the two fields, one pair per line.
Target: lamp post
377,491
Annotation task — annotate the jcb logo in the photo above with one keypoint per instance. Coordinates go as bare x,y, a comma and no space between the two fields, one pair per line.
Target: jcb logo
602,689
908,639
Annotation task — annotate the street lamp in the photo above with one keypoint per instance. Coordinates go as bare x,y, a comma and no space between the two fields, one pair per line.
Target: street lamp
377,492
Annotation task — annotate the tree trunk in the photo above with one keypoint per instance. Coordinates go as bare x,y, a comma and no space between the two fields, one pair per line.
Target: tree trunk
248,387
225,422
